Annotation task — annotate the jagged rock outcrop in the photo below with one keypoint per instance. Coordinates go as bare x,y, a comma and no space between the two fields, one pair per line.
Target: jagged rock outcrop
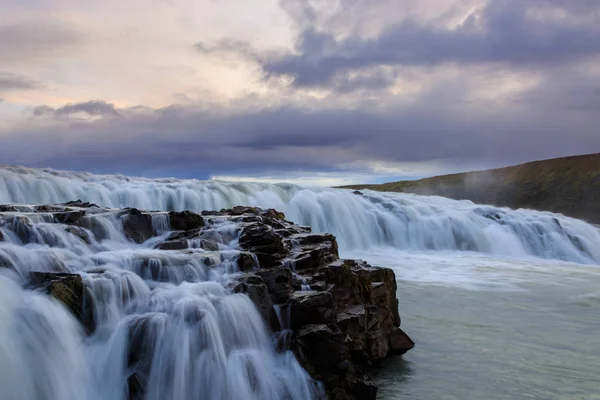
339,317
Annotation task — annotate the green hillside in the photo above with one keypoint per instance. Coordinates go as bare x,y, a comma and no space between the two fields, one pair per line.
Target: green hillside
568,185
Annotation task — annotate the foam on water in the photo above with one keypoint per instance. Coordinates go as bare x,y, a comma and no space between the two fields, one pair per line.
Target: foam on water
204,341
402,221
165,320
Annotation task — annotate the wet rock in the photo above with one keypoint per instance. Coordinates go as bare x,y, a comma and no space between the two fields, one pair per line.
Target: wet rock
135,387
246,262
137,225
69,290
311,308
80,233
178,244
279,282
400,342
46,209
80,204
185,220
263,241
70,217
8,208
240,210
256,289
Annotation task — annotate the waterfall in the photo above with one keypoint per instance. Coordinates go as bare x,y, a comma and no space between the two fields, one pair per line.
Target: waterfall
166,322
403,221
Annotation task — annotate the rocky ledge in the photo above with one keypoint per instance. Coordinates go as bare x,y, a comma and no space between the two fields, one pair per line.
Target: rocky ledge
339,317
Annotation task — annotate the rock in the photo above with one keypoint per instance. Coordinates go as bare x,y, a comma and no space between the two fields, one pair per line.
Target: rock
357,301
135,387
323,345
79,232
69,290
311,308
69,217
278,281
358,192
46,209
137,225
263,241
80,204
257,291
178,244
185,221
400,343
8,208
246,262
240,210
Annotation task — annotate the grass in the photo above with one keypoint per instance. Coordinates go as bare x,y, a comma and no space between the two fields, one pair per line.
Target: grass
568,185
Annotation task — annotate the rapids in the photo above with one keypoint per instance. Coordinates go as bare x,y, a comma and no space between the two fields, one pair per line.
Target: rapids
165,318
402,221
205,341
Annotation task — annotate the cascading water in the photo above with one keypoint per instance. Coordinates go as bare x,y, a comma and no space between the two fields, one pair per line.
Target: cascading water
165,324
401,221
164,321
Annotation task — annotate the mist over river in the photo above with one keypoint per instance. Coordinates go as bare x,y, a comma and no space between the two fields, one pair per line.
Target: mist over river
502,304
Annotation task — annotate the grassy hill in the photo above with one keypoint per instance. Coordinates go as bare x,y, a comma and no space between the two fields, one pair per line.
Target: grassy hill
568,185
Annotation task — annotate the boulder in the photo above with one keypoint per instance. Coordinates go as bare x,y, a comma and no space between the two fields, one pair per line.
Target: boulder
69,217
400,342
80,233
185,221
278,281
137,225
69,290
265,242
256,289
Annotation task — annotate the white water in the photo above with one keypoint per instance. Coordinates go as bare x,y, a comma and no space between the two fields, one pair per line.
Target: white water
164,317
402,221
175,300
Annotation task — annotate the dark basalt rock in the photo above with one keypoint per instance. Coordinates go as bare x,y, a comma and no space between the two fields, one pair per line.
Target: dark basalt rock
69,217
137,225
185,221
80,204
265,242
256,289
69,290
279,282
79,232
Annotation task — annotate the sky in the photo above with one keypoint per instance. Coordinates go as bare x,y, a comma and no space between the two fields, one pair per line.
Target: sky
310,91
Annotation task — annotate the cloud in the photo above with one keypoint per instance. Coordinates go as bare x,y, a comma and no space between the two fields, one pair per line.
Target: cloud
516,33
239,47
23,43
92,108
10,82
440,127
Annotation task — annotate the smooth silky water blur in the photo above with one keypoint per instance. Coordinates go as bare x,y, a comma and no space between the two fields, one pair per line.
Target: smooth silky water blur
502,304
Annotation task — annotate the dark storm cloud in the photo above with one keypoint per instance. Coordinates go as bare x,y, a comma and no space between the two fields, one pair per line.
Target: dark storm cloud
545,121
94,108
29,42
517,33
9,82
